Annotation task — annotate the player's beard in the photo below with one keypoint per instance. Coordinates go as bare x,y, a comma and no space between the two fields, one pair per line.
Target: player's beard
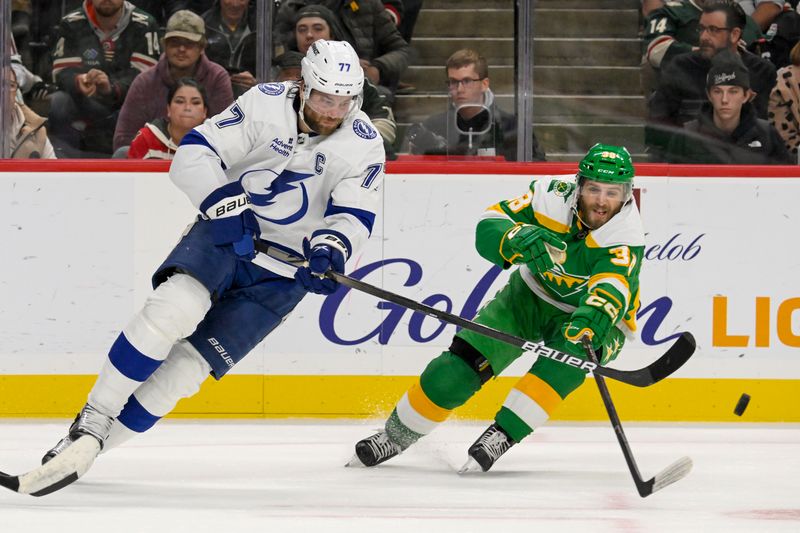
320,123
592,219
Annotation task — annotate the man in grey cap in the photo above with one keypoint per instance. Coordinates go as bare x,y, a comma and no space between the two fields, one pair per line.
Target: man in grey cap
183,57
728,129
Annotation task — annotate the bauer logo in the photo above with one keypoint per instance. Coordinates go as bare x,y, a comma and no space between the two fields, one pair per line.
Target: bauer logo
221,351
272,89
363,129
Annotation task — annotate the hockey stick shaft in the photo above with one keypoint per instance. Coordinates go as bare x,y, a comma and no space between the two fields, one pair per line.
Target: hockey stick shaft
645,488
677,470
668,363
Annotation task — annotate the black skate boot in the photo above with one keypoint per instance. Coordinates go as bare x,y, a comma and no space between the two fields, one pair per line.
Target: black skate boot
487,449
88,422
375,449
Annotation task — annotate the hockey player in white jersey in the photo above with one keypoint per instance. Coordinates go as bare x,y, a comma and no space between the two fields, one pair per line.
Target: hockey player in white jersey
296,165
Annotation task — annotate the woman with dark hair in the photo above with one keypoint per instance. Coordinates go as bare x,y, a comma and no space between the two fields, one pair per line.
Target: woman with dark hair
186,108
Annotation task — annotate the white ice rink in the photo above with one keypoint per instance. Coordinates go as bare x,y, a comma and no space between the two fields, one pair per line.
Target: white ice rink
288,476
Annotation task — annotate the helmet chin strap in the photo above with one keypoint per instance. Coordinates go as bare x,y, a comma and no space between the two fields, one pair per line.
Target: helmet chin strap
575,208
578,214
301,113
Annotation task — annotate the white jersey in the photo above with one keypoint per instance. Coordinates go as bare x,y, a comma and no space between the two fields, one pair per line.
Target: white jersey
298,185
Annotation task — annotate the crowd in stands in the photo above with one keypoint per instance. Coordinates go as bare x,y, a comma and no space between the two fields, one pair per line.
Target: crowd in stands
125,78
723,88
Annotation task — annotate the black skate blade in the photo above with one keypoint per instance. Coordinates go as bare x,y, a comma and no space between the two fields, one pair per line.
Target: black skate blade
64,469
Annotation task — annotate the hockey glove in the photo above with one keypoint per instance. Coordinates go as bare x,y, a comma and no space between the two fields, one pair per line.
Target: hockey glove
526,243
320,258
232,220
585,320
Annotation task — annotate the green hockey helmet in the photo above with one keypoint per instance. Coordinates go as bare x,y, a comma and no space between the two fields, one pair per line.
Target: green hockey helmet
608,164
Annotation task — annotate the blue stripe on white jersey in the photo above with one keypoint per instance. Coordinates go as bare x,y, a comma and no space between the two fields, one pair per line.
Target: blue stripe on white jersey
365,217
193,137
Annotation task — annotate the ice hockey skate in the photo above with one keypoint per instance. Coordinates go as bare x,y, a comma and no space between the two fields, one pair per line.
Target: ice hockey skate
487,449
88,422
375,450
68,460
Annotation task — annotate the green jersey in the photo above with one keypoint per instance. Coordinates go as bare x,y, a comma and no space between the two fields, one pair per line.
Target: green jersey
601,267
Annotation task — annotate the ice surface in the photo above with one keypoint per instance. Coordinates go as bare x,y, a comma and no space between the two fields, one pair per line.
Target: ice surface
288,476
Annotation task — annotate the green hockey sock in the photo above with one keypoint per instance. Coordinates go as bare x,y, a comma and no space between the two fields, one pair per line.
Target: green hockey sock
399,433
512,424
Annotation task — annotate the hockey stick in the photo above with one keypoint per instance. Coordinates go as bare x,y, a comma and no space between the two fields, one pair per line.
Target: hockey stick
669,475
672,360
60,471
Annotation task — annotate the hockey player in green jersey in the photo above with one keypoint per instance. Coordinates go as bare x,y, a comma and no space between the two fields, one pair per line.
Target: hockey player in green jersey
578,244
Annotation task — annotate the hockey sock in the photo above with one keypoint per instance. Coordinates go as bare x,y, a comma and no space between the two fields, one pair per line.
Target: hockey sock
529,404
171,313
446,383
179,377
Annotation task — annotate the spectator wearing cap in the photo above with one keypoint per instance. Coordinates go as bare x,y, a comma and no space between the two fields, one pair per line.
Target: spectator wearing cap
365,24
727,129
231,34
288,66
314,22
681,90
99,50
184,57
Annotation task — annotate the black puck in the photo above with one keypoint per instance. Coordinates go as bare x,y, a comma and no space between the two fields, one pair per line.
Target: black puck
741,405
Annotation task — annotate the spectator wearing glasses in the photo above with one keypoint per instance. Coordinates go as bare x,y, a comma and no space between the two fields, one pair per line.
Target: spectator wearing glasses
671,29
727,129
184,57
681,91
473,123
99,50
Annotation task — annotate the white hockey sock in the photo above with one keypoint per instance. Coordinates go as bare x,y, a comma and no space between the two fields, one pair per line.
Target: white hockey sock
171,313
180,376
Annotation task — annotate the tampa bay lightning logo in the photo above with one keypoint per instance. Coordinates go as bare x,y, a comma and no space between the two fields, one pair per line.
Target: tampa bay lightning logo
284,182
272,89
363,129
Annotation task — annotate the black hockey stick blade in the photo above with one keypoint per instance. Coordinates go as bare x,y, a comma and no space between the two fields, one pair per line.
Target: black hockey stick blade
674,358
64,469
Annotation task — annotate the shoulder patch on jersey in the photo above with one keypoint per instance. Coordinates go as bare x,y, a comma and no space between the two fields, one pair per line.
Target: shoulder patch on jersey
363,129
561,188
272,89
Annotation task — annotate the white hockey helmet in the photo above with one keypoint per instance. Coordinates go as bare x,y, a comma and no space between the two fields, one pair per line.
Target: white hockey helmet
333,67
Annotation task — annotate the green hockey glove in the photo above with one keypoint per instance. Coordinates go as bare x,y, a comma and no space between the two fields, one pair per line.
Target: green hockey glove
526,243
